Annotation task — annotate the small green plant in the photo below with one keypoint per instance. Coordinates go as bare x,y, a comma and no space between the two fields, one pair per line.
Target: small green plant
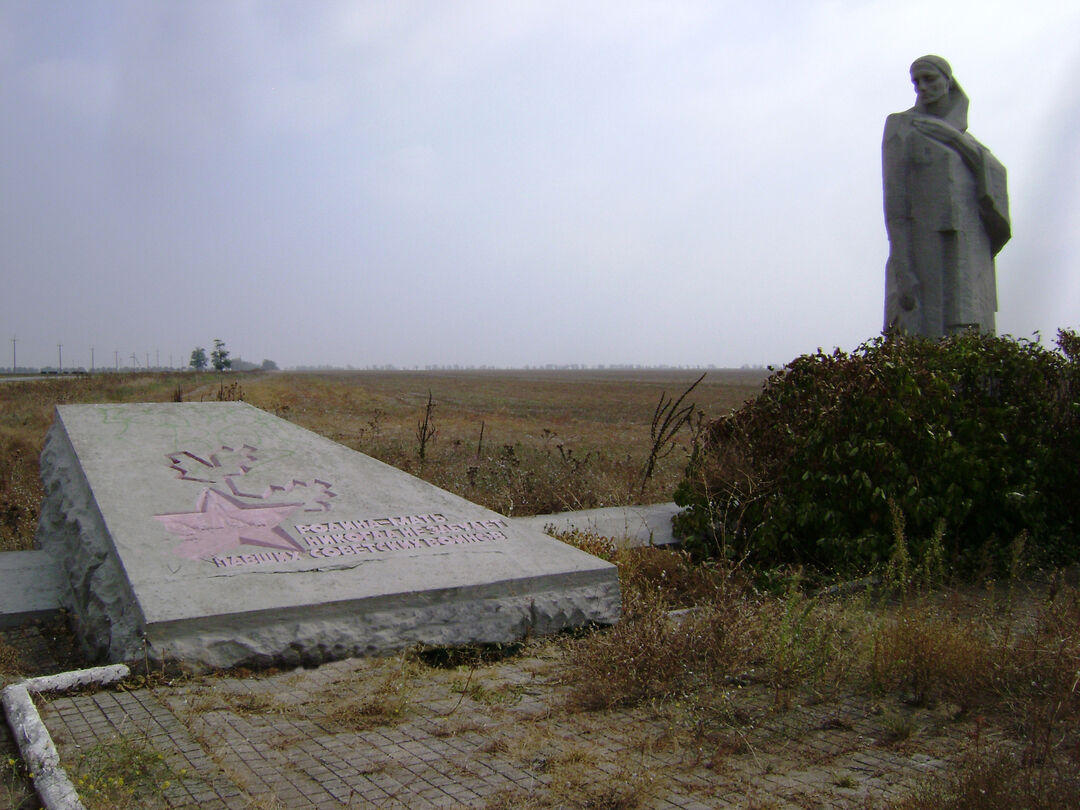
15,785
807,642
897,578
898,726
124,772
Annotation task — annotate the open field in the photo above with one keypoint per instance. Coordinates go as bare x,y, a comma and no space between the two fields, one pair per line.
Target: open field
714,691
519,442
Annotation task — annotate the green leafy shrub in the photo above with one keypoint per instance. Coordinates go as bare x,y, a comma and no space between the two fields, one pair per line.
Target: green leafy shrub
977,433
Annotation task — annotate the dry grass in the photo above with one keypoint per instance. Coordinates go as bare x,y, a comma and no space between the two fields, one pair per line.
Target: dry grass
10,661
652,654
237,702
992,779
1011,664
928,653
26,411
573,775
20,489
520,442
383,697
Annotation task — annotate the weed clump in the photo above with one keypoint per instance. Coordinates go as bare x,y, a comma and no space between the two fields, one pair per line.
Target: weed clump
684,626
362,704
992,779
928,655
808,644
15,785
121,773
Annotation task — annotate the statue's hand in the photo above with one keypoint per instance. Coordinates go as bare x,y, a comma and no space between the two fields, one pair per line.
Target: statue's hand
938,130
907,302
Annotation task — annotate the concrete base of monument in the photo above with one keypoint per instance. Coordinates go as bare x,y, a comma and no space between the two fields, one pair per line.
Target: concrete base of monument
30,587
217,535
630,525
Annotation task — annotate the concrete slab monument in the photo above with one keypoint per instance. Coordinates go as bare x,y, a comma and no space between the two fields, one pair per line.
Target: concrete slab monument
216,534
946,212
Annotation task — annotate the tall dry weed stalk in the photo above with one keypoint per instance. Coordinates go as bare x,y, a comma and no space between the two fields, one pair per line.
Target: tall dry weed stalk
668,419
425,429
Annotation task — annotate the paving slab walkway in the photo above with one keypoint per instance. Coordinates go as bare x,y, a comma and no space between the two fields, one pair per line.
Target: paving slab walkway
397,733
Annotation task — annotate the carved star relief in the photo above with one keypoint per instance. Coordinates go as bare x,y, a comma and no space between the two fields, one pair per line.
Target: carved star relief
222,522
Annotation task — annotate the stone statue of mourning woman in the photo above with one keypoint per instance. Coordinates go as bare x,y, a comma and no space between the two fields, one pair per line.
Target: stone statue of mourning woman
946,212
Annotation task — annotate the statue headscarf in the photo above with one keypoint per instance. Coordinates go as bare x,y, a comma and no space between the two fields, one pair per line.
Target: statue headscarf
957,109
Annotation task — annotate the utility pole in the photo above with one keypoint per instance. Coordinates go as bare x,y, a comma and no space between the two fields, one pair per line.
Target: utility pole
116,357
148,361
91,359
14,365
60,356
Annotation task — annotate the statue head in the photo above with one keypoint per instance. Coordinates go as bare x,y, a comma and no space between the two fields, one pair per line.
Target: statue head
932,79
937,93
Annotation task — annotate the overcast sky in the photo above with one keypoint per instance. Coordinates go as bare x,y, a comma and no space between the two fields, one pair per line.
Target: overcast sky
503,182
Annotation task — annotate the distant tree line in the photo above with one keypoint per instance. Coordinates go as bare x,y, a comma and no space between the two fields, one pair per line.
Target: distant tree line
220,361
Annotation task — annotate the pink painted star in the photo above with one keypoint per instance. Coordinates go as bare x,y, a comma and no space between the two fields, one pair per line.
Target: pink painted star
221,523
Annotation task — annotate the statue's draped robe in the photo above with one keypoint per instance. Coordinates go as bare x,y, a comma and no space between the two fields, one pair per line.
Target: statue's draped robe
957,219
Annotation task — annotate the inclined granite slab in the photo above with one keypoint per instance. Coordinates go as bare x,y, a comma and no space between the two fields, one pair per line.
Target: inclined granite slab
217,534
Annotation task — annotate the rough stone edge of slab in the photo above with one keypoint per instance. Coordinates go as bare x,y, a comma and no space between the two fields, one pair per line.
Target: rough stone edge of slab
36,747
292,640
94,589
